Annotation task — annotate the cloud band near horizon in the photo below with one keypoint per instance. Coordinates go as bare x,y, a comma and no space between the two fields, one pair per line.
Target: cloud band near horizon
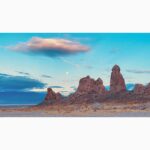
139,71
19,83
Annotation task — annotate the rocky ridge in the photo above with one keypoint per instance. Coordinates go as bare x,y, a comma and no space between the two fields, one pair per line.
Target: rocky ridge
90,90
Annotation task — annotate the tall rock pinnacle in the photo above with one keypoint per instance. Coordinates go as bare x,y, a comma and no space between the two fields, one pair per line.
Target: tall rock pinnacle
117,83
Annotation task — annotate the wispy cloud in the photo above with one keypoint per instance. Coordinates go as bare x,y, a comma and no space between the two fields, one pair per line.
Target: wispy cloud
23,73
46,76
50,47
64,91
56,86
88,66
139,71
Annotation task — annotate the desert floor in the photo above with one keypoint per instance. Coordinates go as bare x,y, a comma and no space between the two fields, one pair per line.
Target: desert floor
82,110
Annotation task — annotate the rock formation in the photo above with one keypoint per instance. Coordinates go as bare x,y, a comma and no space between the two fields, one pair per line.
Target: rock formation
139,89
147,89
90,91
52,97
117,83
89,85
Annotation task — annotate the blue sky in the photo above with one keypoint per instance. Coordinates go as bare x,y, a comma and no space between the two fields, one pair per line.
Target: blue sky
59,60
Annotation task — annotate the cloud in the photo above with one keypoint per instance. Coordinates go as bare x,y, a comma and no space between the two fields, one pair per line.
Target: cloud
23,73
3,74
56,86
18,83
64,91
46,76
50,47
139,71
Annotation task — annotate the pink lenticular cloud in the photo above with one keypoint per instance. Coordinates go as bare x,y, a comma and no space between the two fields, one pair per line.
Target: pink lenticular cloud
51,47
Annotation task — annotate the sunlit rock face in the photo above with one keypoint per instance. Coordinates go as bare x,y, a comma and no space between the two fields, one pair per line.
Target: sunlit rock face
89,85
117,82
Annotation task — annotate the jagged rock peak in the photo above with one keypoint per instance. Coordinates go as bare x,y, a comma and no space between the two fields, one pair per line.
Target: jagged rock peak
99,80
52,97
87,84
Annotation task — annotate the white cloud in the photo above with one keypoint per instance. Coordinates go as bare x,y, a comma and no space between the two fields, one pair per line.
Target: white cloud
50,47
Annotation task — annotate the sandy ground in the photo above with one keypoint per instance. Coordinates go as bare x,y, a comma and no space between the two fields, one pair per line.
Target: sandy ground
84,110
44,114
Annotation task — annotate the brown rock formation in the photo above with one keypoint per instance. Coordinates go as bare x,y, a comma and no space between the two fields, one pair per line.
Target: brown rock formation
88,91
117,83
52,97
139,89
147,90
89,85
